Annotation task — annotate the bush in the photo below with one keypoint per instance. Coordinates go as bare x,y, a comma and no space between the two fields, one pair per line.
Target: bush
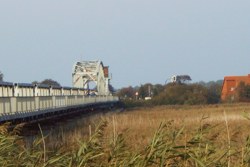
182,94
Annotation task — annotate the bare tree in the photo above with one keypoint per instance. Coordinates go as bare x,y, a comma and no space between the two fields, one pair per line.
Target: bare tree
1,76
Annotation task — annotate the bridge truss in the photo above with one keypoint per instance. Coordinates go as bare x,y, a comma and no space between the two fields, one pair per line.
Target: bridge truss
85,72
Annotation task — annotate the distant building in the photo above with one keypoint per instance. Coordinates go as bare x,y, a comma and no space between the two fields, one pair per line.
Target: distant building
230,85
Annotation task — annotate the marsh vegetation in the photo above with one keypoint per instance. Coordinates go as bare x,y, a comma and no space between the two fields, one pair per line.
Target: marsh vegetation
206,135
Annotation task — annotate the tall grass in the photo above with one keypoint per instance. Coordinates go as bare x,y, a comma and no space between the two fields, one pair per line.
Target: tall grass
165,136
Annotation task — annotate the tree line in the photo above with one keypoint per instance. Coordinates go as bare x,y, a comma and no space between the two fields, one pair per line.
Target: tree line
243,92
171,93
49,82
174,93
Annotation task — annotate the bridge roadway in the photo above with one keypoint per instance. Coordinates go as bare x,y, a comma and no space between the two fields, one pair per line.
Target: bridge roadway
19,109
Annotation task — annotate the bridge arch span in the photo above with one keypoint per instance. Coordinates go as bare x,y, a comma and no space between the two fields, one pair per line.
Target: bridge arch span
85,72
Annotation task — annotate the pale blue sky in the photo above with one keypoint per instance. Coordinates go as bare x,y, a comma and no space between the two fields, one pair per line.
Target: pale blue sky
141,40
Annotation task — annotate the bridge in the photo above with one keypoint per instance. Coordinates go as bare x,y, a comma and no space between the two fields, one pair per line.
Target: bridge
21,102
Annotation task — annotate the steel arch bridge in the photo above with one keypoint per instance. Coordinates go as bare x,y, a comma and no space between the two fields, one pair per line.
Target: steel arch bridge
25,102
85,72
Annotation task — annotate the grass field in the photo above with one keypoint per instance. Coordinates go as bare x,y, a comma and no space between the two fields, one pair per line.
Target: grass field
139,124
210,135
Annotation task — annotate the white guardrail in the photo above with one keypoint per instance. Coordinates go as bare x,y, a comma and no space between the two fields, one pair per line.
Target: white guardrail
17,105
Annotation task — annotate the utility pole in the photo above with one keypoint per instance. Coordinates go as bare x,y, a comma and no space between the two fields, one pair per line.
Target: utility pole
149,91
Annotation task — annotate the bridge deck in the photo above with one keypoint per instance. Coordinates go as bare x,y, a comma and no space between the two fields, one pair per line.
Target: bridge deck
12,108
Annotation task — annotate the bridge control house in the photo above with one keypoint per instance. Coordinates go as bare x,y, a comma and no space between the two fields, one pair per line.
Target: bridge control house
230,84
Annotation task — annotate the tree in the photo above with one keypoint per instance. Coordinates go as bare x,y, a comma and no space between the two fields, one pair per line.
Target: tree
183,78
157,89
111,88
182,94
150,90
128,92
180,79
50,82
243,92
35,82
1,76
213,92
145,90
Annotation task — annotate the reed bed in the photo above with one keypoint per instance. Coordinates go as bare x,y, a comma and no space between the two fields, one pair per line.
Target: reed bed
211,135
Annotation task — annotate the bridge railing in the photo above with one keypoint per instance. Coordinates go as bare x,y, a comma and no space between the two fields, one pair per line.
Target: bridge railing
12,105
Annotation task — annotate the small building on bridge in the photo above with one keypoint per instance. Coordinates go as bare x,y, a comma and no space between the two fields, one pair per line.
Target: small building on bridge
230,84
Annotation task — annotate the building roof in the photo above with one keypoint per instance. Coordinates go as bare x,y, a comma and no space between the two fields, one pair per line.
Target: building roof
245,79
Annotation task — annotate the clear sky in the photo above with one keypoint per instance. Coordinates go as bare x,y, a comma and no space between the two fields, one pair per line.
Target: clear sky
140,40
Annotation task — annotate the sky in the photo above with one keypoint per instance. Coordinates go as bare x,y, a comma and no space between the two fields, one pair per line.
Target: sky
142,41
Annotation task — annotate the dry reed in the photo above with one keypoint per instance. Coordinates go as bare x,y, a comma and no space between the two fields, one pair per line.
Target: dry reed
158,136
